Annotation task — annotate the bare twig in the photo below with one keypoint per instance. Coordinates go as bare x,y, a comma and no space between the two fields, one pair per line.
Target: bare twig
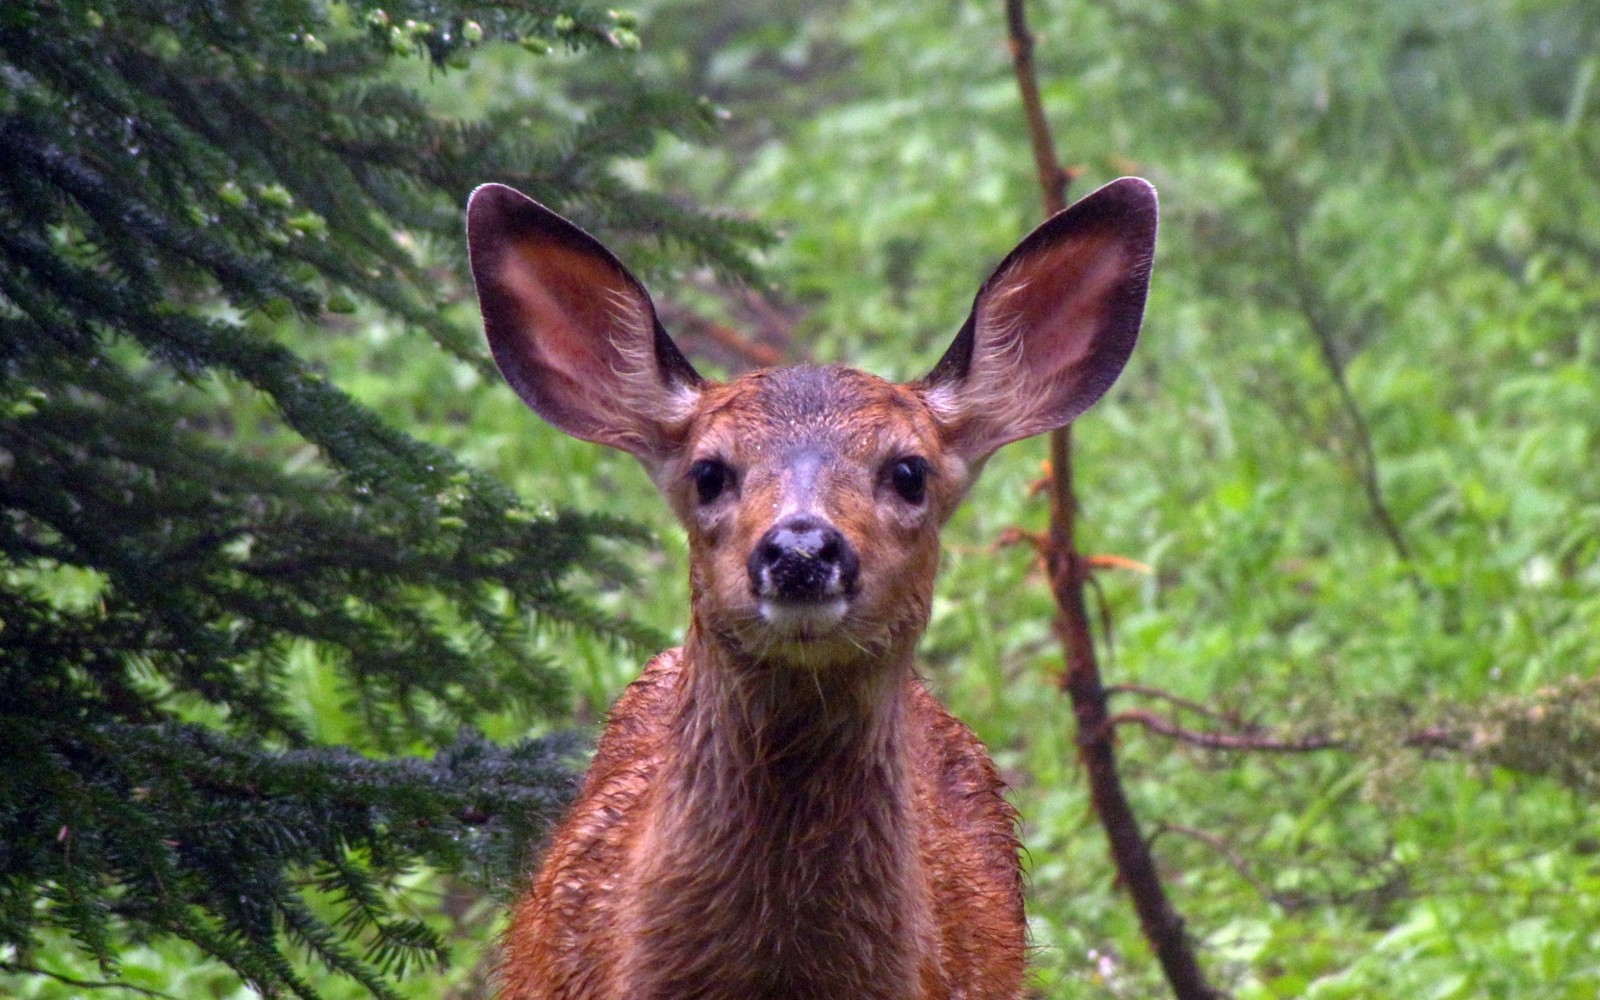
82,984
1311,299
1220,63
1163,694
1053,179
1214,740
746,351
1257,741
1069,571
756,353
1235,861
755,330
1103,606
1119,562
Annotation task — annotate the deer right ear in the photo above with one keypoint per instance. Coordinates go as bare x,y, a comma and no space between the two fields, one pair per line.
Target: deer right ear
574,333
1052,327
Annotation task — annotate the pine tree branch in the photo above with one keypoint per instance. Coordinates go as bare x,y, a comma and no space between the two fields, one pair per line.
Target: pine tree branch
182,189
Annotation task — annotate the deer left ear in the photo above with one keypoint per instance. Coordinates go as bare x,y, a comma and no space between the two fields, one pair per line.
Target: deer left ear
574,332
1053,326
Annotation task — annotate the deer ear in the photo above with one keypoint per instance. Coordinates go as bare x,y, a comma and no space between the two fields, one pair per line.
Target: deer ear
1052,327
574,333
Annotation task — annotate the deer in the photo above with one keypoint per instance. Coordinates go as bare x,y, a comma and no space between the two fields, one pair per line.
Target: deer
779,808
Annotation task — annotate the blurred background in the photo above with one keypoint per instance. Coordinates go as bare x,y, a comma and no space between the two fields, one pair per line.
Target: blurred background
275,533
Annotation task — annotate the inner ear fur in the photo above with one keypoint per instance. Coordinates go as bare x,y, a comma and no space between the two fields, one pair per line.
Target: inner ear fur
1053,326
575,334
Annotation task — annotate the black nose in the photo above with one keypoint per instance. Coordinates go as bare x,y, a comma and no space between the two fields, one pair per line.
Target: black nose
803,559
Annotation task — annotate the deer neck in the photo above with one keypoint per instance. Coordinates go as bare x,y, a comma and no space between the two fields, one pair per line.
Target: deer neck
783,843
778,719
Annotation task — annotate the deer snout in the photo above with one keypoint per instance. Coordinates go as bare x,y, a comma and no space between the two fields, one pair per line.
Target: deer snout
803,560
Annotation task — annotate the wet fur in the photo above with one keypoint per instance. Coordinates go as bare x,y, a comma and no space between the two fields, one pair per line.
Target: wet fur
793,813
779,809
788,819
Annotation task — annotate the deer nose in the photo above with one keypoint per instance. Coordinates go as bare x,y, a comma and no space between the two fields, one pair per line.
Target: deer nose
803,559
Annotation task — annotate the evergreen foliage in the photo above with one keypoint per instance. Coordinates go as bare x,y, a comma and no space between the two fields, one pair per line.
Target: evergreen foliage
1376,297
178,182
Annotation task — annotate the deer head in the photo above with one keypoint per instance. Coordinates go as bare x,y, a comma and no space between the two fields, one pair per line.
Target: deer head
813,496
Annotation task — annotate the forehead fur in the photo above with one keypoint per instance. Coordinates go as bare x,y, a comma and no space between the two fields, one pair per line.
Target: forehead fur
819,401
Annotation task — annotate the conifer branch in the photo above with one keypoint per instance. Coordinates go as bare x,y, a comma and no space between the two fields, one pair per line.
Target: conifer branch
183,192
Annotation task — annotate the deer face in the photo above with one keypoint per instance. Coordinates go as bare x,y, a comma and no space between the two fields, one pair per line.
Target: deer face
813,496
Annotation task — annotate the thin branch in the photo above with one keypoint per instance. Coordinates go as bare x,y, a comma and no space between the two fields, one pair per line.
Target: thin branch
1429,738
1053,180
1220,63
768,345
1163,694
1388,886
1119,562
83,984
1103,607
1235,861
1214,740
1312,302
749,350
1069,571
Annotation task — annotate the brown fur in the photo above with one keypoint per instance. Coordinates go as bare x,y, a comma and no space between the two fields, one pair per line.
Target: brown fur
736,869
768,818
779,809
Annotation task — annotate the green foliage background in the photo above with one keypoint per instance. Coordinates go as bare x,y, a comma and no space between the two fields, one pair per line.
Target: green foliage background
1401,189
1355,448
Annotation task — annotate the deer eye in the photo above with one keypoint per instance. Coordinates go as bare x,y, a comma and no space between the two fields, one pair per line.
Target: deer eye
711,478
909,477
